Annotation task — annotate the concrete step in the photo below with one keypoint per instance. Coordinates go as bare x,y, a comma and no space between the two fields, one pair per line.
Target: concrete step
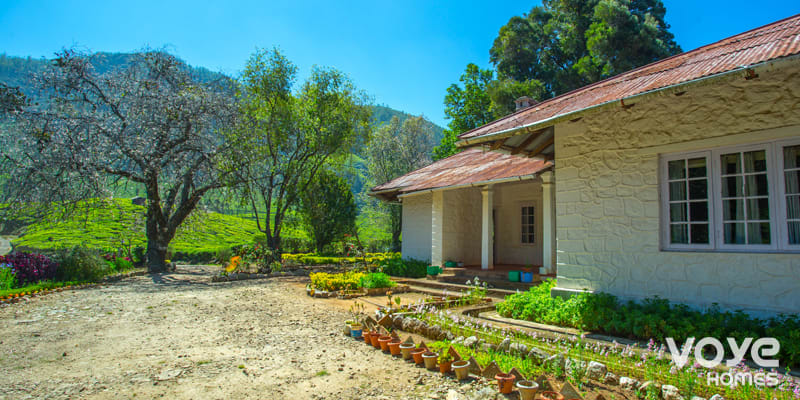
493,282
436,287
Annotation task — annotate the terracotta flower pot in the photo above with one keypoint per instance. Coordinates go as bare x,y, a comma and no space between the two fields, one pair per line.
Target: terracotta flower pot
445,367
505,383
549,395
461,369
430,360
374,340
383,341
527,389
368,338
405,349
417,355
394,347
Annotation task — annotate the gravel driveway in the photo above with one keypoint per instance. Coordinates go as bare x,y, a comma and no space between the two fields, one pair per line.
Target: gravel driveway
180,336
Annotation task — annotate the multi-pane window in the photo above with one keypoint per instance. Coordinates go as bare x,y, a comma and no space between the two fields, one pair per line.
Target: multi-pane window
528,225
743,198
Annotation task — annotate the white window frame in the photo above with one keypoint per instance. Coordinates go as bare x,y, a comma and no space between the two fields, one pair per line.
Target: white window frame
779,234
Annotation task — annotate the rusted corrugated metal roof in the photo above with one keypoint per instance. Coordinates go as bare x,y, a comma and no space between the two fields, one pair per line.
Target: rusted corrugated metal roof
470,166
776,40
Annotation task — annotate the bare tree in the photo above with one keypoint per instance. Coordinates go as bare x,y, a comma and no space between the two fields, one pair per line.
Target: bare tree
150,123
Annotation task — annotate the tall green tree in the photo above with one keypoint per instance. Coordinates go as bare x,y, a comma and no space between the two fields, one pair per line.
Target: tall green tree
286,138
395,149
328,209
557,47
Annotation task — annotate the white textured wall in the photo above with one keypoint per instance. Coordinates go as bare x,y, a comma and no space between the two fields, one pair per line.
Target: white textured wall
607,195
462,226
508,201
417,227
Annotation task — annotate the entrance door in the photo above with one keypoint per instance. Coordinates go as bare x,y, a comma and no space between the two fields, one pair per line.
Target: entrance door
494,237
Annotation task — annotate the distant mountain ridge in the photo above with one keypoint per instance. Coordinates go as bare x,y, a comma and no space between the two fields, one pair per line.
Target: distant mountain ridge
17,71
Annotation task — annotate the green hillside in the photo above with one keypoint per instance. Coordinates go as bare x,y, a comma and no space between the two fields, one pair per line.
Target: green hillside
108,225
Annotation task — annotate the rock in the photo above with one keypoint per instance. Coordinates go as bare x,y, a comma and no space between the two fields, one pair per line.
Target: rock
487,347
397,321
449,336
458,340
628,383
646,387
698,398
538,356
717,397
504,345
573,366
518,348
669,392
453,395
611,379
596,370
434,332
556,361
470,341
484,393
168,374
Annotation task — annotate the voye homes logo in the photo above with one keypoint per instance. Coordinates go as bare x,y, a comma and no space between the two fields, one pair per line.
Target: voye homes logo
759,349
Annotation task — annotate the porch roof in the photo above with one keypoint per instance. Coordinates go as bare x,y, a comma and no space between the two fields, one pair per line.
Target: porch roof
473,166
777,40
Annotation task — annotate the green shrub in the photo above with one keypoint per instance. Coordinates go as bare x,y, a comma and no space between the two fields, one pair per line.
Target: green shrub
81,264
409,268
122,265
8,279
652,318
223,255
350,280
377,280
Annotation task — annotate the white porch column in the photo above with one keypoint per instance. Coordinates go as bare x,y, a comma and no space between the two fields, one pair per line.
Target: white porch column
548,222
437,228
487,248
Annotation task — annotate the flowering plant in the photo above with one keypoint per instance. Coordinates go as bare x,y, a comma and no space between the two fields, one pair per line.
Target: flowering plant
30,268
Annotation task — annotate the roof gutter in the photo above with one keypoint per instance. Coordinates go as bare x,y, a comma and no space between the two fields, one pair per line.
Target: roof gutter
476,184
639,96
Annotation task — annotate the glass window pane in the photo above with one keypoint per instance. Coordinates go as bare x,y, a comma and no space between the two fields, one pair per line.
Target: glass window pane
697,168
756,185
794,232
733,233
733,210
677,190
732,186
792,182
530,219
679,233
698,189
758,233
677,212
699,233
698,211
793,207
677,169
791,157
758,209
730,164
755,161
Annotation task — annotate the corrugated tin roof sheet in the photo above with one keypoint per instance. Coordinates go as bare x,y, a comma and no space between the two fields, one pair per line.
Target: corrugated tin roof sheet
778,39
472,165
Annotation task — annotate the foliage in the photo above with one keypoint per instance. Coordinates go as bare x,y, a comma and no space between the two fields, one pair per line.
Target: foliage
315,259
257,254
375,280
35,287
8,278
476,292
396,149
328,208
652,318
286,138
332,282
151,124
30,268
122,264
397,266
81,264
105,222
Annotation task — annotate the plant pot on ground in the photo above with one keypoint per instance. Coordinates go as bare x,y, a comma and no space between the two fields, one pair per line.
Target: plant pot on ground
527,389
505,383
430,360
394,347
445,361
383,342
346,328
461,369
416,354
374,340
550,395
355,330
368,337
405,350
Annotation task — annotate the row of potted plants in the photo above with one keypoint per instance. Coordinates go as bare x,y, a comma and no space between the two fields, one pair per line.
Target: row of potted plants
445,362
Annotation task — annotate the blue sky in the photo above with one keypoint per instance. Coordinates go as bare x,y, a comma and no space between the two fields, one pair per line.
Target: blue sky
405,54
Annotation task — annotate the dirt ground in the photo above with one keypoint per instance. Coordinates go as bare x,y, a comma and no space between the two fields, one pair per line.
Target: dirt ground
180,336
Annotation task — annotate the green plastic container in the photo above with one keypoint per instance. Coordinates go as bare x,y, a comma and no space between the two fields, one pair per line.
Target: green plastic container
434,270
513,276
450,264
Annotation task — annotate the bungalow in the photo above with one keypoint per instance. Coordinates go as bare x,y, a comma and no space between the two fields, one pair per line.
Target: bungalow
679,179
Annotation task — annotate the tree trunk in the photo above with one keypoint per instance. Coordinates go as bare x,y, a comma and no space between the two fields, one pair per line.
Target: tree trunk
157,244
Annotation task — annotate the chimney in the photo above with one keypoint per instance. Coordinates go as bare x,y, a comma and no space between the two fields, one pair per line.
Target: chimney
524,102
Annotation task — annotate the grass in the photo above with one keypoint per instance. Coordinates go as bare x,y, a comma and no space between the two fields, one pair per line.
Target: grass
106,224
322,373
44,285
